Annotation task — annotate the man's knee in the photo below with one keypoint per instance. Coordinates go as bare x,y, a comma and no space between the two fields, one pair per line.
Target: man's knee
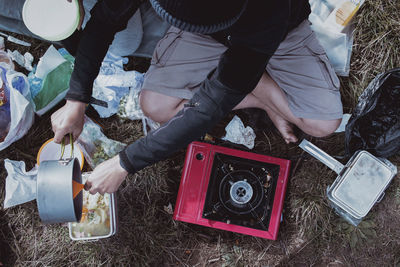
320,128
158,107
149,103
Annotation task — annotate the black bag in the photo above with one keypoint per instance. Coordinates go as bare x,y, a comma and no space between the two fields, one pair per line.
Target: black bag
375,123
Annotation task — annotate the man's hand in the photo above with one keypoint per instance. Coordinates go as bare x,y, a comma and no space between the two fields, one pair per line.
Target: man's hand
68,119
107,177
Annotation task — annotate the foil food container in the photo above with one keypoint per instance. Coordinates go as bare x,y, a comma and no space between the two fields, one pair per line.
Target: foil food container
112,219
360,183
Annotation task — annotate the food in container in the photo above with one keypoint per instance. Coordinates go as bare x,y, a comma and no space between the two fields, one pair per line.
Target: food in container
98,217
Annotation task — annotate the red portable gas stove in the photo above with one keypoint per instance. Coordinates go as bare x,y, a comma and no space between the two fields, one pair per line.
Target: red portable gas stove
232,190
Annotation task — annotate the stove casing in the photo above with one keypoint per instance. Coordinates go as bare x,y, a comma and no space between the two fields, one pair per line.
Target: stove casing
194,182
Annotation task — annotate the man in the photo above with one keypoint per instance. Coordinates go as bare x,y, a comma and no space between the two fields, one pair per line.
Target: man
217,56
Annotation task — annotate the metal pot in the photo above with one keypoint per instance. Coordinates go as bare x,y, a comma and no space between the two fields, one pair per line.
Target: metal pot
55,192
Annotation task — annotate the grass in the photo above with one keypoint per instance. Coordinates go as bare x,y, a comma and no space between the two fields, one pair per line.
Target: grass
310,234
376,45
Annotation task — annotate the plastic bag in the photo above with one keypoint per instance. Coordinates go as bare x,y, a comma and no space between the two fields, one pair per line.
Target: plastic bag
22,60
20,185
95,146
375,123
49,82
341,14
336,43
129,106
113,83
16,111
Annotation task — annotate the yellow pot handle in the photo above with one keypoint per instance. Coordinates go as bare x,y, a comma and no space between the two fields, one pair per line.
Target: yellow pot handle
71,141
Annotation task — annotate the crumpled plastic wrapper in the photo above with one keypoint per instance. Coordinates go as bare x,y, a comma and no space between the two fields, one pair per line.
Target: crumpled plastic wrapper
22,60
129,107
20,184
114,83
238,134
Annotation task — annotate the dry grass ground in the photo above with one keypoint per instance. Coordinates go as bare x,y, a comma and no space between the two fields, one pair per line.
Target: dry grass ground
311,234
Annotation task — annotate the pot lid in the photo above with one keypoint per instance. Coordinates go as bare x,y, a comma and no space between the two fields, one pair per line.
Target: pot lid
362,184
53,20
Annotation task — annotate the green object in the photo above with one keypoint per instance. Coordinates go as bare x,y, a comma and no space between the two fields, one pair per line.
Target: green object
54,85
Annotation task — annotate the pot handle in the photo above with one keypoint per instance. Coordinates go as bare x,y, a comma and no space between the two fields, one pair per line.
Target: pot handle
322,156
71,141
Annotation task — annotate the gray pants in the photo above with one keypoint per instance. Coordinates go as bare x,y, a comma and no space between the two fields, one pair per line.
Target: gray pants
182,60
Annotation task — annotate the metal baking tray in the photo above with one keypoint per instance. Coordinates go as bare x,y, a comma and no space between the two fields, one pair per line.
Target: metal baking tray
112,217
360,183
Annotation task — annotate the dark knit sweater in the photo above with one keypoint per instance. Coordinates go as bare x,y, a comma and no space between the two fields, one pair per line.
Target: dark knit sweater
251,41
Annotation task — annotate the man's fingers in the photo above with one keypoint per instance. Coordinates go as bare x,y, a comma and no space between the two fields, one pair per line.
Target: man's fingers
58,136
87,185
93,191
54,123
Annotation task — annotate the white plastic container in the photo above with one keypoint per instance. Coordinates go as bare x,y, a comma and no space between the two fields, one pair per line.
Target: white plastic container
53,20
360,183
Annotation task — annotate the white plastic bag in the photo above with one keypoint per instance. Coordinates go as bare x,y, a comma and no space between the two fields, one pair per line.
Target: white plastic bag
336,43
20,185
19,108
129,106
113,83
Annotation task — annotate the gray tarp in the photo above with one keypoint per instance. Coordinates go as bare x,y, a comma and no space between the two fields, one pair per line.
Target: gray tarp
139,39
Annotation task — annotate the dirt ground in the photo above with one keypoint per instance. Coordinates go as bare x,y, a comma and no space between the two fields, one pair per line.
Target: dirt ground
311,234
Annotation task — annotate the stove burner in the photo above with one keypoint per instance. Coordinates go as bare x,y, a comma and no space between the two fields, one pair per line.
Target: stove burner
240,192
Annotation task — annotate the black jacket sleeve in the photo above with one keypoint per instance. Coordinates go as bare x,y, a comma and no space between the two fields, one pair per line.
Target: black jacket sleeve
107,18
237,74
